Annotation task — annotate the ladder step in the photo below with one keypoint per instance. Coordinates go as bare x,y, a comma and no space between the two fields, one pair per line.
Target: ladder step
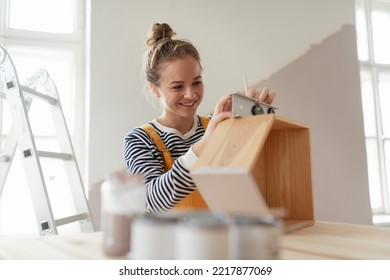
71,219
55,155
4,158
32,93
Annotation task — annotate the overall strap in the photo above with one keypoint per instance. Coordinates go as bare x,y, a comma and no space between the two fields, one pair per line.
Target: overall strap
194,200
205,121
167,158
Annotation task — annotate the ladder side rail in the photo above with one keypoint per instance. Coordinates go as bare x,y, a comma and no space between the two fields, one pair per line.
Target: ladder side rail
26,143
73,173
8,153
9,148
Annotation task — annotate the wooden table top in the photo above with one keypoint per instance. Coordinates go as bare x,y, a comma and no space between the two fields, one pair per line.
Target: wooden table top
323,240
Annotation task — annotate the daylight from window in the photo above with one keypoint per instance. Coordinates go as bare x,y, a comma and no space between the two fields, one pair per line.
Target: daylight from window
30,30
373,25
54,16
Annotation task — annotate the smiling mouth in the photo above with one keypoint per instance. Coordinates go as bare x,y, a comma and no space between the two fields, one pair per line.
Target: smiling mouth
188,104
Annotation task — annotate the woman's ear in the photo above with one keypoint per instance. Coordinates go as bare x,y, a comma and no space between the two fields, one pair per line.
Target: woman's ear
155,90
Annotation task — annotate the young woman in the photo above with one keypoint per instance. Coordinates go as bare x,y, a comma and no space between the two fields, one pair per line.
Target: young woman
165,149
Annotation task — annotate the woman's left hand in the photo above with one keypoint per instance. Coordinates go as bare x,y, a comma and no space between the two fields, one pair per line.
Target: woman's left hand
263,95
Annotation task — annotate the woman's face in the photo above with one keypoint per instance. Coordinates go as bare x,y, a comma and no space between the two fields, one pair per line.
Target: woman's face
181,87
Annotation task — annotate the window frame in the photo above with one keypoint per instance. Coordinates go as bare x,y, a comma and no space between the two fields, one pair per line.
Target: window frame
75,43
77,36
375,69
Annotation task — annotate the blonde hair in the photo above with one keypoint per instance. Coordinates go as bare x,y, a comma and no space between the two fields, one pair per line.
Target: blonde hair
161,48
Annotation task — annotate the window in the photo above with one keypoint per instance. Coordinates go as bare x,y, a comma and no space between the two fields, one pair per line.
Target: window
373,24
47,34
33,16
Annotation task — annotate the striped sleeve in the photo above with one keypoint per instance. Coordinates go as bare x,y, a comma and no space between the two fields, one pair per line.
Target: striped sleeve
164,190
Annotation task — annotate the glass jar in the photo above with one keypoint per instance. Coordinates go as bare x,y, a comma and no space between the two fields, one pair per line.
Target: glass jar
122,196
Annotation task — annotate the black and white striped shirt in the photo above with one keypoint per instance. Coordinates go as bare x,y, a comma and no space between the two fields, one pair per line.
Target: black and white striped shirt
141,156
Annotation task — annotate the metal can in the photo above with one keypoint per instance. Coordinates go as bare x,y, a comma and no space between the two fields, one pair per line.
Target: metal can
255,237
202,236
153,237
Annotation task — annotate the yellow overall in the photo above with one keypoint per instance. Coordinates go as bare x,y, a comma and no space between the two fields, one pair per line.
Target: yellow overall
194,200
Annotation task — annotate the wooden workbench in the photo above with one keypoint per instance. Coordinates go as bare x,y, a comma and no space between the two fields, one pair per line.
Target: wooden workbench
324,240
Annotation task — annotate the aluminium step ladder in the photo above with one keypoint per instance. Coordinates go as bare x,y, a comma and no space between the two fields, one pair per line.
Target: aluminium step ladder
19,99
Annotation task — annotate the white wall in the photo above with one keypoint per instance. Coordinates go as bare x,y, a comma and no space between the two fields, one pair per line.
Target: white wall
322,89
256,37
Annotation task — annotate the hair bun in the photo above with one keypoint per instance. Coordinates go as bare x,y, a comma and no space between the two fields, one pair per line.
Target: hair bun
159,32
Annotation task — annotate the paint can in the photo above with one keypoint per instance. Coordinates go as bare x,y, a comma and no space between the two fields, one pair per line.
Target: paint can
153,237
202,236
255,237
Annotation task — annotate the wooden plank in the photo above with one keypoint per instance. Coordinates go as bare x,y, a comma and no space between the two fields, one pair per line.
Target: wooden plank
340,241
28,247
291,225
336,247
324,240
287,254
235,143
82,246
286,123
285,170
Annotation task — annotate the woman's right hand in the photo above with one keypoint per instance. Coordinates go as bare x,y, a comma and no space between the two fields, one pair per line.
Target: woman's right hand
222,111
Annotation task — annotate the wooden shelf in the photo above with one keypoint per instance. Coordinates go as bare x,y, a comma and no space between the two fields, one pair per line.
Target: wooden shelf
255,163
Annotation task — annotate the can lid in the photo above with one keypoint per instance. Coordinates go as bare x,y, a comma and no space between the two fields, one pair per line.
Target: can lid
204,219
256,220
159,218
